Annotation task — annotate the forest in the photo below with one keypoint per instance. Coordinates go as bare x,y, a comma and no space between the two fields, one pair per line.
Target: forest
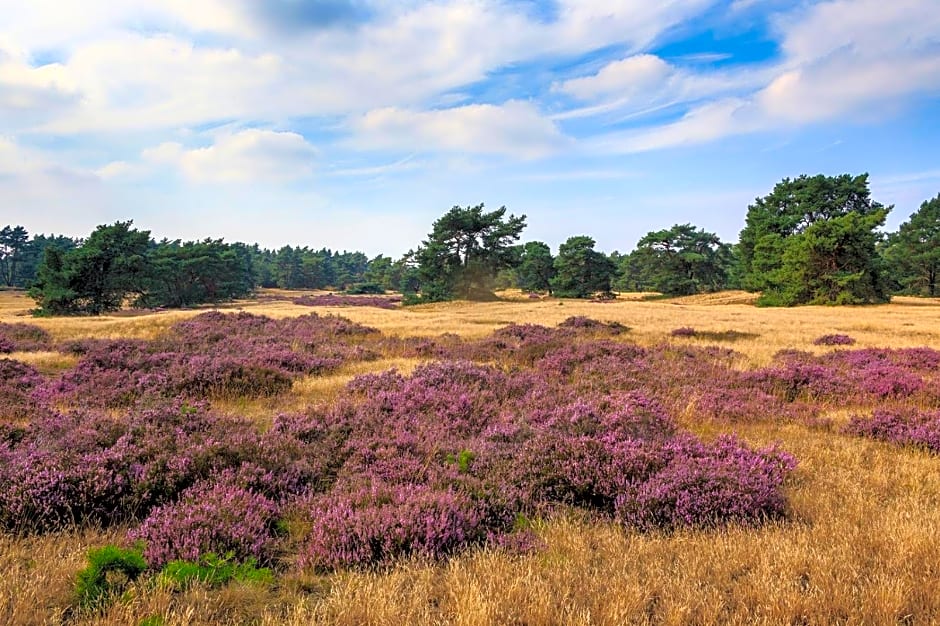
811,240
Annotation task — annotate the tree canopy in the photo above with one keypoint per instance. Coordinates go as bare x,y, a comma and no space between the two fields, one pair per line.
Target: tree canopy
465,250
913,253
681,260
536,268
97,276
813,240
580,270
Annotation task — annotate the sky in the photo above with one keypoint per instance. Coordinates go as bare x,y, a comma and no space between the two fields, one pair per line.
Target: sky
354,124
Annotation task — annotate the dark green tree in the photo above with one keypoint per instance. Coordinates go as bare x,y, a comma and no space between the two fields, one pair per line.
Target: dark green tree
14,244
184,274
537,267
580,270
682,260
772,244
913,253
834,261
465,250
97,277
52,289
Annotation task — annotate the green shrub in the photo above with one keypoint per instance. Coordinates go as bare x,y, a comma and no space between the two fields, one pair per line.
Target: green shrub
110,569
213,571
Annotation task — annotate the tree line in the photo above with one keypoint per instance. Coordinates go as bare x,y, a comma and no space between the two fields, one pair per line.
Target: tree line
811,240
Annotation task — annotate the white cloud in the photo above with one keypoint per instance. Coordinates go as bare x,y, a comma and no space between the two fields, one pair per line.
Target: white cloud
405,56
859,60
514,128
47,195
629,77
641,84
251,155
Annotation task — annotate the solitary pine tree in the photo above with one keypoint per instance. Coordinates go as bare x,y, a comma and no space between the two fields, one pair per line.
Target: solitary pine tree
465,250
812,240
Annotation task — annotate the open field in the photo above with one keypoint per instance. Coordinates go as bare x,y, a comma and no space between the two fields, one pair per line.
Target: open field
858,543
906,322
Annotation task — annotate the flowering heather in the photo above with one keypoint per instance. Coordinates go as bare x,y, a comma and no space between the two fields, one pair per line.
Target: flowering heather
586,324
23,338
684,331
431,463
213,517
17,382
382,302
494,445
903,427
211,355
834,340
382,523
702,485
70,468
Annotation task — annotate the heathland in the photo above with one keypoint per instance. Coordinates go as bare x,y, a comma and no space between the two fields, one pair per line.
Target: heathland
692,460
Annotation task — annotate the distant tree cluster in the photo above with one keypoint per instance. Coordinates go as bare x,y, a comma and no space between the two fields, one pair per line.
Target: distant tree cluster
811,240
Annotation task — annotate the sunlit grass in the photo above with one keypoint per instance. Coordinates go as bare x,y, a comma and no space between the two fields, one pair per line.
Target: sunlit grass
860,545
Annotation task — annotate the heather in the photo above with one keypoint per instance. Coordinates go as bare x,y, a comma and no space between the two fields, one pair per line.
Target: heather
531,459
23,338
381,302
908,427
527,423
211,355
835,339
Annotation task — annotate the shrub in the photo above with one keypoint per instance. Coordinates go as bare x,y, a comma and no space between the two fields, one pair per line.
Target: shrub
583,323
704,485
213,571
23,338
359,289
903,427
109,570
834,340
211,517
684,331
383,523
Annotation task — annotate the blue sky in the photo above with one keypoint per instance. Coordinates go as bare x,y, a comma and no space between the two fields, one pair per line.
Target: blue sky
353,124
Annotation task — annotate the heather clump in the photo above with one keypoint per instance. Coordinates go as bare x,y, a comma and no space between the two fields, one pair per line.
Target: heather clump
522,344
706,484
23,338
585,324
382,523
216,516
212,355
495,445
17,383
797,380
566,359
835,339
381,302
857,376
911,427
85,467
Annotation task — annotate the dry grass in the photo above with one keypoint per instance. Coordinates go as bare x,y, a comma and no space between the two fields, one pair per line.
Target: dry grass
861,546
906,322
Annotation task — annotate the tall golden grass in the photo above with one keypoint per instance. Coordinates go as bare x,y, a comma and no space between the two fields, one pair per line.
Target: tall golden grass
861,546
